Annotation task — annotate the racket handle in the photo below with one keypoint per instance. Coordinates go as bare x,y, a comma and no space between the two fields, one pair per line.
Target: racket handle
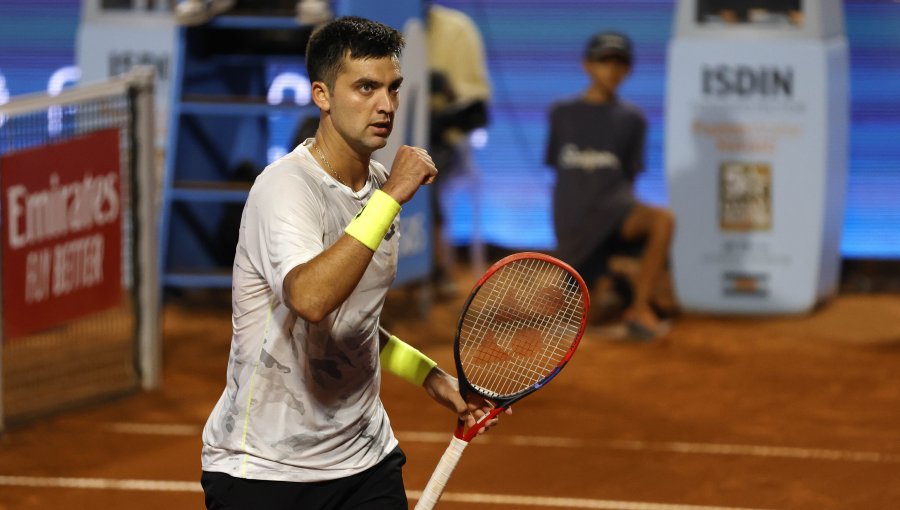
441,475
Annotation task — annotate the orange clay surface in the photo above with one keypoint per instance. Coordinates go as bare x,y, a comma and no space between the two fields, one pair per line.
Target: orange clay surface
750,413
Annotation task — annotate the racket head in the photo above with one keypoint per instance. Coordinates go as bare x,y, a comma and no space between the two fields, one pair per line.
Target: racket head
519,327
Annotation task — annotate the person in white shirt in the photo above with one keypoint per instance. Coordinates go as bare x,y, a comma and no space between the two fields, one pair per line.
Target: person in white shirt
300,423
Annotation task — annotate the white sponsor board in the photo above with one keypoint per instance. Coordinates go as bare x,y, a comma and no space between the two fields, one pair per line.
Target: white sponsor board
756,151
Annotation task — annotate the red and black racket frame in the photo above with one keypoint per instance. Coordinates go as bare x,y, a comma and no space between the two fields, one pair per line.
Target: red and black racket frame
502,404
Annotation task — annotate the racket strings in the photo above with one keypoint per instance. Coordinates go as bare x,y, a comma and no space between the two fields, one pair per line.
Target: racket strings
516,372
520,326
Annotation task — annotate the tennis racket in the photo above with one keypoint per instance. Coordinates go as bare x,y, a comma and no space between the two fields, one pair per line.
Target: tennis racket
518,329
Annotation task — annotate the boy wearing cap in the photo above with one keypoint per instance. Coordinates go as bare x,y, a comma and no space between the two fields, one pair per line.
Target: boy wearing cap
596,146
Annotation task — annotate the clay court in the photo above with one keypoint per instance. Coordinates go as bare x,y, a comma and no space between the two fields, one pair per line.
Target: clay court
724,413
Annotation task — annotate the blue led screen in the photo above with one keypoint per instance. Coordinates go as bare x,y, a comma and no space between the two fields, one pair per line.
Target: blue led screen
534,48
37,39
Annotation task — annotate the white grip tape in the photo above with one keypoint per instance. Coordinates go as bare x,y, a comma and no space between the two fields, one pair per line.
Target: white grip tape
441,475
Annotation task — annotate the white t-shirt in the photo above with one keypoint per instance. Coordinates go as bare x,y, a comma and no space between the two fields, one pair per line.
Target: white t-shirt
301,401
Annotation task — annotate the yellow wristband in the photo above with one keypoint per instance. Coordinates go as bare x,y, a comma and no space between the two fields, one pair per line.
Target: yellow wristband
374,219
404,360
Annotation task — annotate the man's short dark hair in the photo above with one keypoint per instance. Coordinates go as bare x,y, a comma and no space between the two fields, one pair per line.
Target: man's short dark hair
357,37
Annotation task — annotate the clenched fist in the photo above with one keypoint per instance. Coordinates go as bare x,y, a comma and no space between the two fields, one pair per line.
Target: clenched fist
412,168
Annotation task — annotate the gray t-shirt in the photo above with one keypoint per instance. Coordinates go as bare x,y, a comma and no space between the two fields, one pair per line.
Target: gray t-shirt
301,400
597,151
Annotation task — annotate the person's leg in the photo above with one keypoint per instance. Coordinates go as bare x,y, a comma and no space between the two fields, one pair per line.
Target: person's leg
225,492
215,490
594,273
378,488
381,487
655,226
447,159
442,274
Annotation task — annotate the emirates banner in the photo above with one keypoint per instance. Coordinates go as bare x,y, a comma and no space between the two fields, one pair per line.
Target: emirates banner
62,232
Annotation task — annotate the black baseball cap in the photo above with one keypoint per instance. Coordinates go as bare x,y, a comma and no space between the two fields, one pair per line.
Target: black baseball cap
607,45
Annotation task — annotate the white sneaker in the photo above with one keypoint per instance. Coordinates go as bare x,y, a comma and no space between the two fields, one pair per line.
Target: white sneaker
196,12
313,12
217,7
191,12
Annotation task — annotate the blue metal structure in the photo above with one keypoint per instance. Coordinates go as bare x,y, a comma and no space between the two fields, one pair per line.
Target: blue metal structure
225,127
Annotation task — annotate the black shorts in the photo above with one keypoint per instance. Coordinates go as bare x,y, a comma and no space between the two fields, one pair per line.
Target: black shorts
378,488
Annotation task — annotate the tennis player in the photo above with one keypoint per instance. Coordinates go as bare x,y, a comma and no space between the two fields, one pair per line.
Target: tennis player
300,423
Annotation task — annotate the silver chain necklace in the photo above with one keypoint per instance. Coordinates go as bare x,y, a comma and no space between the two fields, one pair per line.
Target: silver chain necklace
330,168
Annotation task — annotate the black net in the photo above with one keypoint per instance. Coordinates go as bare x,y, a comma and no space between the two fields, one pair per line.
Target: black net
91,357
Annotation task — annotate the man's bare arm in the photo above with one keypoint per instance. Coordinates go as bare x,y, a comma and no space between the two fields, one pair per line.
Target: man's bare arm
318,287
